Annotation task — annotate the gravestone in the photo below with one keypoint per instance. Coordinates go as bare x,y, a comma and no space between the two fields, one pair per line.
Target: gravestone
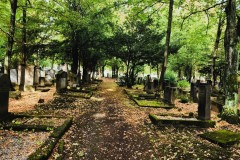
166,83
149,86
14,76
36,75
193,92
26,72
169,94
51,72
42,78
42,73
72,79
48,80
61,81
4,94
204,101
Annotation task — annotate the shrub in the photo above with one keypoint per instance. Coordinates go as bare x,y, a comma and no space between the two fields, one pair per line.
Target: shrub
171,76
183,84
183,99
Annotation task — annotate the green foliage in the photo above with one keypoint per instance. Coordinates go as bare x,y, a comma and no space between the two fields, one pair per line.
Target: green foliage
229,112
183,84
183,99
171,76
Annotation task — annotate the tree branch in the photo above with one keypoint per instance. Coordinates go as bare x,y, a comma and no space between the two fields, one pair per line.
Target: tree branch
207,21
203,10
5,32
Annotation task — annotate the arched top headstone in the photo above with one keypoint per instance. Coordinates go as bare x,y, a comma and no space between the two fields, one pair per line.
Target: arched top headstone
4,82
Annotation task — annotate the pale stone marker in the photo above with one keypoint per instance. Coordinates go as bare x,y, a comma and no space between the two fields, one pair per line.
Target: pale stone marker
14,76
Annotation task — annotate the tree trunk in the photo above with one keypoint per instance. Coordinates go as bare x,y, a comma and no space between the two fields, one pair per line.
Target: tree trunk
214,56
24,47
103,66
169,28
75,41
231,69
7,64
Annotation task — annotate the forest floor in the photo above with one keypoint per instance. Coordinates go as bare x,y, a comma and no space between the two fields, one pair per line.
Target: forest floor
111,126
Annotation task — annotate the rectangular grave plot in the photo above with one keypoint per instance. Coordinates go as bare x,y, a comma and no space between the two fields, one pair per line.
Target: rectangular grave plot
224,138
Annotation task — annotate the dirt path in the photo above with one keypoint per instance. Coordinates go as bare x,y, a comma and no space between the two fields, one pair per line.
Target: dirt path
106,131
109,126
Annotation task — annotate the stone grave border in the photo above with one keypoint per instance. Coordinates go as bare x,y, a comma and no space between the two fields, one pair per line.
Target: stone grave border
45,150
199,123
223,138
138,102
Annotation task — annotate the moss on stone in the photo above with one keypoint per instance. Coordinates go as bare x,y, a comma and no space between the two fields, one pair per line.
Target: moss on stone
181,121
222,137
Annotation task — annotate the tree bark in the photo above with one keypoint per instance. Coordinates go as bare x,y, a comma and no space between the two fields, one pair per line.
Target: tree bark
231,59
75,41
219,32
24,47
10,43
166,53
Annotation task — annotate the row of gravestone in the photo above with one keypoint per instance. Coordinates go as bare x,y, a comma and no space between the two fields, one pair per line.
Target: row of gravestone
33,76
203,98
61,86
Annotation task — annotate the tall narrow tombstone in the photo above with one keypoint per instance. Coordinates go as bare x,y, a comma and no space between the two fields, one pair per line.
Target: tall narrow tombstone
204,101
14,76
36,75
42,78
61,81
4,94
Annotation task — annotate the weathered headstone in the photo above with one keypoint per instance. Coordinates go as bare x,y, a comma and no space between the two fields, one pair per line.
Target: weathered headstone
193,92
14,76
61,81
48,80
42,73
72,79
166,83
36,75
26,77
4,93
169,95
204,101
51,72
149,86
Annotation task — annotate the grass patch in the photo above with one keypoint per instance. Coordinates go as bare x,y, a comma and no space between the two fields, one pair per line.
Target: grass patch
223,138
